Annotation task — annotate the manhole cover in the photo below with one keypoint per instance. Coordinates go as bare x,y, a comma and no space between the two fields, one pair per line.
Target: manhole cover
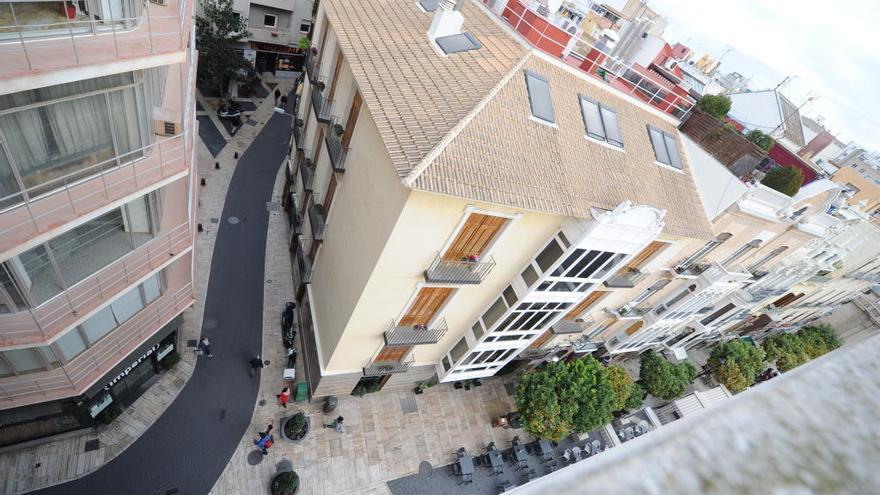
92,445
215,220
210,322
255,457
426,469
268,280
232,220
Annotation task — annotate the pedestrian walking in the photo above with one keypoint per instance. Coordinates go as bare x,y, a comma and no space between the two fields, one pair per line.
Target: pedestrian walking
265,440
205,346
284,397
336,424
277,95
256,363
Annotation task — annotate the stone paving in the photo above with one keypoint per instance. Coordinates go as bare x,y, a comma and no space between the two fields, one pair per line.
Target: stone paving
44,463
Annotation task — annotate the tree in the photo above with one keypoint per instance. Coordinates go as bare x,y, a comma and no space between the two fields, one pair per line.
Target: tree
218,30
623,386
819,339
715,105
787,350
762,140
786,180
663,379
736,363
565,397
304,43
634,401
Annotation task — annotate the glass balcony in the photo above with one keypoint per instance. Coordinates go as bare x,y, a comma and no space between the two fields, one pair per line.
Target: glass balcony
406,335
443,271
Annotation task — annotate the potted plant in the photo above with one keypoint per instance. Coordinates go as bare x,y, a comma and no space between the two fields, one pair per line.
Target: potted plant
321,85
285,483
338,130
420,388
295,427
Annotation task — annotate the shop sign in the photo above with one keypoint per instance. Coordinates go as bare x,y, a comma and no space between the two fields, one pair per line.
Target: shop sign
97,407
131,366
164,352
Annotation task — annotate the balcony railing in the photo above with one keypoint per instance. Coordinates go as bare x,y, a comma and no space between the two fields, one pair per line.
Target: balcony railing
626,278
335,147
820,279
306,172
627,312
318,221
297,133
304,265
75,377
45,206
382,368
296,220
320,104
579,325
27,48
444,271
57,314
406,335
311,65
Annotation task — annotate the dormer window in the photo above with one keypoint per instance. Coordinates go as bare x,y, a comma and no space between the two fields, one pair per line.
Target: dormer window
539,97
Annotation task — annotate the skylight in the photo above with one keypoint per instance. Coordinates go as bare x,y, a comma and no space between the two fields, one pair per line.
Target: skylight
601,122
458,43
665,148
429,5
539,97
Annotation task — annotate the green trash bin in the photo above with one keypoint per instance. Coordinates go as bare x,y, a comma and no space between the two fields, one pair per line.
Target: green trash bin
302,392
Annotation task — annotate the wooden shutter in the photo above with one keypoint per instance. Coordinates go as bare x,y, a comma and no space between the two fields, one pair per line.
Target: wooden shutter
475,236
392,353
634,327
428,302
331,190
339,58
352,118
588,301
646,253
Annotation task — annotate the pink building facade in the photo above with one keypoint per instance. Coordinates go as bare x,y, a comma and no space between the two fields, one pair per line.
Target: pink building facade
98,195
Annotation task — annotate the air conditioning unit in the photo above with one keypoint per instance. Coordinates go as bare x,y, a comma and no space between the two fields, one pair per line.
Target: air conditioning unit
166,128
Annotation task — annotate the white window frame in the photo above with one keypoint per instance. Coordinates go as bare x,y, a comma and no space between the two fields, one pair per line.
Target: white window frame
602,110
666,138
273,16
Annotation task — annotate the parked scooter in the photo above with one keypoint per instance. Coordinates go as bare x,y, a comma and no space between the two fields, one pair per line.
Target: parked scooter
288,334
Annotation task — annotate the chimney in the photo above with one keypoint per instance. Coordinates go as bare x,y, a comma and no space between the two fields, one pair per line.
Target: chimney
447,19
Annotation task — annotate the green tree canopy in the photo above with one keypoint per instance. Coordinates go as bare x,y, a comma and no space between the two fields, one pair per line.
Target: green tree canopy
622,384
663,379
218,30
634,401
819,339
736,363
565,397
763,141
787,180
715,105
787,350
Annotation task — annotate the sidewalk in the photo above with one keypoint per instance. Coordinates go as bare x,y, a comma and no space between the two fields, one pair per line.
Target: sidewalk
56,461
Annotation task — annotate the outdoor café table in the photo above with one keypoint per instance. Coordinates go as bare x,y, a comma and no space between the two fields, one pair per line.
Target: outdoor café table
496,461
467,465
545,447
519,452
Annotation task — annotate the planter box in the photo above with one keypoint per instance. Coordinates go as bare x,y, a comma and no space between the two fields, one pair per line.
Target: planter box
304,434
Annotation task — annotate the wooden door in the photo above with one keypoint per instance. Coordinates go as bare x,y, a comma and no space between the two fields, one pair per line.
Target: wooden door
592,298
640,259
331,190
392,353
339,58
352,118
475,236
428,302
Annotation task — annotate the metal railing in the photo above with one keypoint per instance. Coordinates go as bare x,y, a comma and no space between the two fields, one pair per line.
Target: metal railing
335,147
311,65
37,325
579,325
304,266
44,206
593,60
444,271
321,105
406,335
382,368
306,172
626,278
317,220
297,132
77,375
36,47
629,312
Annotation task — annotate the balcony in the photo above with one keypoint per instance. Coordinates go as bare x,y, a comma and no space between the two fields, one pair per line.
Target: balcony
820,279
49,204
93,33
579,325
311,65
297,132
306,172
382,368
630,313
295,220
627,278
304,266
335,147
272,35
400,335
318,221
75,377
63,310
320,104
444,271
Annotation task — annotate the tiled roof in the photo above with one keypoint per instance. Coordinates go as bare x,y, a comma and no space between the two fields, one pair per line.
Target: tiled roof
460,125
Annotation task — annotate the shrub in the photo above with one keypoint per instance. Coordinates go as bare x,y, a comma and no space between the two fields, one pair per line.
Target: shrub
170,360
762,140
295,426
790,350
285,483
736,363
787,180
565,397
634,401
715,105
819,339
663,379
304,43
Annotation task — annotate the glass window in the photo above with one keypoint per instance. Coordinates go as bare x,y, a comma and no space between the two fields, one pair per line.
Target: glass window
612,126
494,313
71,344
510,296
549,255
478,330
5,370
24,360
305,25
36,274
91,246
529,275
9,190
9,290
132,131
665,148
539,97
270,20
459,350
564,239
152,288
127,306
601,122
99,324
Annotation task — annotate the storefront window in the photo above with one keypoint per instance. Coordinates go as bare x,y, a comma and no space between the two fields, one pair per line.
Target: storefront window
70,344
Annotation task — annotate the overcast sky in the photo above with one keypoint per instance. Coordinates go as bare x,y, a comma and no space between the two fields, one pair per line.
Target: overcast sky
830,46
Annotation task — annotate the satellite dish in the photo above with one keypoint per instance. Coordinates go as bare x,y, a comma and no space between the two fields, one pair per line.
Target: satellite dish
553,5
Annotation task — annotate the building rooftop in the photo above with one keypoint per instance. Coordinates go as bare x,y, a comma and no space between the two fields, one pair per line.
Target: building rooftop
768,111
461,124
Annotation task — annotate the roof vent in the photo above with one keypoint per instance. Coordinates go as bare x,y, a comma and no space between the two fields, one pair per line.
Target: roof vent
447,20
